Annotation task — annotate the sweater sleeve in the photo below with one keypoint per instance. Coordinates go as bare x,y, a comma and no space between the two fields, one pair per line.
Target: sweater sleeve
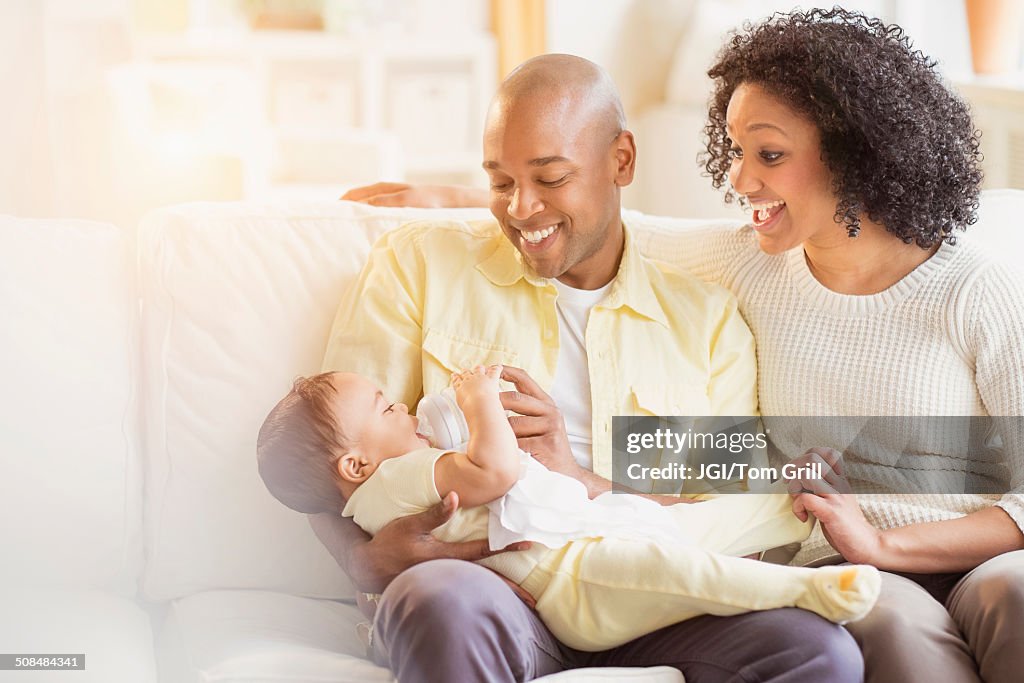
708,252
996,326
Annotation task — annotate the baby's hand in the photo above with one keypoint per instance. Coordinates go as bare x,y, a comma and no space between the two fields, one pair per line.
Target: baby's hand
480,381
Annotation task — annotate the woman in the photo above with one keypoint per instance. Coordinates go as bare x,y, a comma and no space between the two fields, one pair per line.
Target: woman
859,165
843,141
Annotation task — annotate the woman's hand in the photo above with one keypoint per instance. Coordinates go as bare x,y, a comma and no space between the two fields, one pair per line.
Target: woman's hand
833,479
832,501
843,524
539,427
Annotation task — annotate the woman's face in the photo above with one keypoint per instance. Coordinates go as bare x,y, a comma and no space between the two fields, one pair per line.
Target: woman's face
777,166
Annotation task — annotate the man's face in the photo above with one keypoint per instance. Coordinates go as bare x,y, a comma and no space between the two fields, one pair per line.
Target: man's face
555,189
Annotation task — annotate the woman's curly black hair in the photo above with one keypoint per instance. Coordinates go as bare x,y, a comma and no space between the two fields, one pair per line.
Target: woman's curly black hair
901,147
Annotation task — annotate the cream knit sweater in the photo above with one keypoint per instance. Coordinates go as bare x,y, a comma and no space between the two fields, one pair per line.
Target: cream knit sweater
946,340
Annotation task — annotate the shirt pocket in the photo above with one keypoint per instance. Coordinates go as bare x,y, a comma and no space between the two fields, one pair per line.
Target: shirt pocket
684,400
444,353
690,400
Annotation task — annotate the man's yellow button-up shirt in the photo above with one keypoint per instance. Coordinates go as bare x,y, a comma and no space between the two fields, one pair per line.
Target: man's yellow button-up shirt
437,297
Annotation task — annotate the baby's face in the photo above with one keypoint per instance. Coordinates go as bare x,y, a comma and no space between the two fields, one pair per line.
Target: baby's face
380,429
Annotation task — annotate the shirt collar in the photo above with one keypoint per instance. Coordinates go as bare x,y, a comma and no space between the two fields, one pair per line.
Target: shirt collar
631,288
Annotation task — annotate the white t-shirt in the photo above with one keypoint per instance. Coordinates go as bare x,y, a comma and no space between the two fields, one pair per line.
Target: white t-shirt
571,388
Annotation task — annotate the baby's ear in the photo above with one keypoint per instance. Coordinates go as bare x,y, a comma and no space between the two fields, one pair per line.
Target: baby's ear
353,468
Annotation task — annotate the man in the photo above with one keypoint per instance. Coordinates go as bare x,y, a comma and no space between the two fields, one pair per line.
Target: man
556,287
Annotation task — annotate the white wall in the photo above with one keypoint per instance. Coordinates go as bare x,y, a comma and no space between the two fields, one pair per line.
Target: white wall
595,30
25,163
659,49
56,128
53,56
586,28
634,40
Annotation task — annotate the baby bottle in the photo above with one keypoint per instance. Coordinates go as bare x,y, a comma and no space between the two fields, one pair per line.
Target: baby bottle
441,420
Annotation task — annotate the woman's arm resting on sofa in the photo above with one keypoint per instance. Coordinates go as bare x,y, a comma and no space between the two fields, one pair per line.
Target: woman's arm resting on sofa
373,563
426,196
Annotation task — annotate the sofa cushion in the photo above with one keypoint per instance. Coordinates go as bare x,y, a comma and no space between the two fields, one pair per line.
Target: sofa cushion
70,511
238,302
112,632
256,636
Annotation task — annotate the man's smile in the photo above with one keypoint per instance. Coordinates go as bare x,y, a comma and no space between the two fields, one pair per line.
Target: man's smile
535,236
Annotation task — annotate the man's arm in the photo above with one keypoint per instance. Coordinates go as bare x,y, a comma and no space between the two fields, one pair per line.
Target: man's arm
732,387
426,196
372,563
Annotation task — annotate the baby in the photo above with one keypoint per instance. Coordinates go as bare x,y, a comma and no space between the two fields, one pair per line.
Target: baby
335,443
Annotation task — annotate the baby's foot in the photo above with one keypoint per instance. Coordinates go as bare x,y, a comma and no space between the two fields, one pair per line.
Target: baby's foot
479,381
842,593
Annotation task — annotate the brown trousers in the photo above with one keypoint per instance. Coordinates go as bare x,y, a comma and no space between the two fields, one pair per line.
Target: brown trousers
953,628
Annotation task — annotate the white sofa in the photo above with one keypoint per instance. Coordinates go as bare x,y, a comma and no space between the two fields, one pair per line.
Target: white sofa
136,369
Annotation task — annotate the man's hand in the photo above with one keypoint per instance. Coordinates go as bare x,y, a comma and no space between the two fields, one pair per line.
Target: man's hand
372,564
426,196
539,427
540,431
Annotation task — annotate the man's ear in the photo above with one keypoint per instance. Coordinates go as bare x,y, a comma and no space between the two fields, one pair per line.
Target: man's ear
625,158
353,467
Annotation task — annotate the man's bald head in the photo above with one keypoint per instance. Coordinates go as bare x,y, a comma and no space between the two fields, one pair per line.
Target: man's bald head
564,89
557,154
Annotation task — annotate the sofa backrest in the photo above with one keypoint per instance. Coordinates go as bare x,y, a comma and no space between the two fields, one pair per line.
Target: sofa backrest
999,223
238,300
70,469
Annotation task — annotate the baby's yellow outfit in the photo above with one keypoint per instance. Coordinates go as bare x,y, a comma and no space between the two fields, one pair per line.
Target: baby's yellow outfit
598,592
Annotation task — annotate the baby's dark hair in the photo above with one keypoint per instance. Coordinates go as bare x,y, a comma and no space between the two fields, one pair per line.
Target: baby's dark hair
298,446
901,148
